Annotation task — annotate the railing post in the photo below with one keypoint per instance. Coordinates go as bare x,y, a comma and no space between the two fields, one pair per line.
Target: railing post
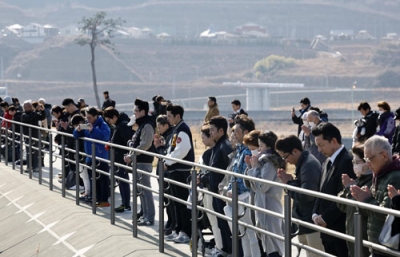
134,195
21,150
194,213
288,226
112,185
40,155
6,146
94,189
13,146
235,213
160,171
30,153
358,243
63,166
50,161
77,159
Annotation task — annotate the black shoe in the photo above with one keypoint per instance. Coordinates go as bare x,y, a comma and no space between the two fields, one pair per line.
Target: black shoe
140,214
120,208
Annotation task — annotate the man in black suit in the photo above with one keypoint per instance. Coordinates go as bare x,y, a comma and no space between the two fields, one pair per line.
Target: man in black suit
338,162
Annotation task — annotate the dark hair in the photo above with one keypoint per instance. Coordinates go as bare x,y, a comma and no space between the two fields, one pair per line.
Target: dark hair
212,98
12,108
236,102
93,111
110,112
159,98
4,104
358,150
56,109
76,119
252,138
269,139
142,105
175,109
364,105
288,144
384,105
67,101
105,93
15,100
35,104
205,129
305,101
162,119
245,122
328,132
219,122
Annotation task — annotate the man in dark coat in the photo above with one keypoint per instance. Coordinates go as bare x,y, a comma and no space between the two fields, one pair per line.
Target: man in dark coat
307,176
120,135
326,213
305,105
32,117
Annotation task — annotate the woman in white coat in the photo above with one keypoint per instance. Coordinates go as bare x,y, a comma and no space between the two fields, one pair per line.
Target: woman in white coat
264,165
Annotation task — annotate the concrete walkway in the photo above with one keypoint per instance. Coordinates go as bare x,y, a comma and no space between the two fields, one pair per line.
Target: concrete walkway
35,221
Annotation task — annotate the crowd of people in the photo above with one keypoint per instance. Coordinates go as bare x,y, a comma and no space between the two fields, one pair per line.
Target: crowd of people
369,172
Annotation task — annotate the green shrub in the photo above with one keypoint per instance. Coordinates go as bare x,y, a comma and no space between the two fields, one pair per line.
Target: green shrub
273,63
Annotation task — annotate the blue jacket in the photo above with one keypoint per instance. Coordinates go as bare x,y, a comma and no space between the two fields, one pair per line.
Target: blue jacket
100,131
239,166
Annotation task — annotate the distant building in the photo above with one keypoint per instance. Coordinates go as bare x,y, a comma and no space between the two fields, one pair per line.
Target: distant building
364,35
341,34
14,30
249,27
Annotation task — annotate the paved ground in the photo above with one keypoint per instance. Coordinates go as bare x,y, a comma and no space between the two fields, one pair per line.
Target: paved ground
35,221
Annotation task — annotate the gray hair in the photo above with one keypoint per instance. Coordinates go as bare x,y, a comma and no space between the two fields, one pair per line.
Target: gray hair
378,143
313,113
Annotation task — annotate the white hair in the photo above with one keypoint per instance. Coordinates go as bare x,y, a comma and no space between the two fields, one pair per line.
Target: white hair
378,144
313,113
304,116
28,102
42,100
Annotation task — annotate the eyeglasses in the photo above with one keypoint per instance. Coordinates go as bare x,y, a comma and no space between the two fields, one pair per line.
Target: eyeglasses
354,161
369,159
284,158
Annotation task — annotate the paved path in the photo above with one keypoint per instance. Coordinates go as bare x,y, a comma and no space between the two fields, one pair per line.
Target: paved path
35,221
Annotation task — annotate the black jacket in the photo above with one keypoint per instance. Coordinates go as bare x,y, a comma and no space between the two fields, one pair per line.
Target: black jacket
396,140
32,118
219,159
308,176
121,134
371,123
332,185
167,135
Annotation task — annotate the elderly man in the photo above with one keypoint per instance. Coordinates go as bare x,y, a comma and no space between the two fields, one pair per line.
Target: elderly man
386,171
313,120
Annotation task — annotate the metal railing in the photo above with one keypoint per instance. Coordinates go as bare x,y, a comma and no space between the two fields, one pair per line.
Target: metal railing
29,140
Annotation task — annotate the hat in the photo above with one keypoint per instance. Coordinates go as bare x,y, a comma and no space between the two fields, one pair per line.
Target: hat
81,100
132,121
397,114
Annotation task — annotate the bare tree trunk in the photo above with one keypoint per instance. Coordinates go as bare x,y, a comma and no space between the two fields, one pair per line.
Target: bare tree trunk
96,93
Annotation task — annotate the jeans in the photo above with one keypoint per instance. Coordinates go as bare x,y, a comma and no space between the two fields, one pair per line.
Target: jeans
146,198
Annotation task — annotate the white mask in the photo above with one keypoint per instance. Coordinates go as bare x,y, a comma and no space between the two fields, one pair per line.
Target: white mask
306,123
312,124
254,152
358,169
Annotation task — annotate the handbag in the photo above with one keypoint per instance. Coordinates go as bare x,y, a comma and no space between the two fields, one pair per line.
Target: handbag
385,237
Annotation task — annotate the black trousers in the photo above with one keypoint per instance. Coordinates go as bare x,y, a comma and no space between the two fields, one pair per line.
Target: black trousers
337,247
181,212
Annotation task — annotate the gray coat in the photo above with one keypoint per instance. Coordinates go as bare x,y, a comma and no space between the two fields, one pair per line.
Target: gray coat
268,197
